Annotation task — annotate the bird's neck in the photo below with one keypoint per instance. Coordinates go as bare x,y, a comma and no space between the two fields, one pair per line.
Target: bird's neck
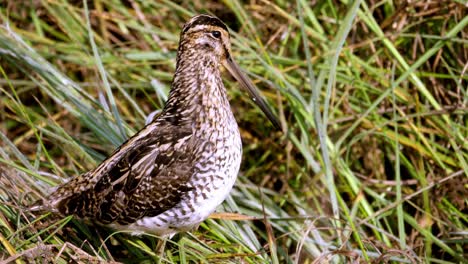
197,94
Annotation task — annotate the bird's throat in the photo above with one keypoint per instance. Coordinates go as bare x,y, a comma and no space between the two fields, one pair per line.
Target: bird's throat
197,91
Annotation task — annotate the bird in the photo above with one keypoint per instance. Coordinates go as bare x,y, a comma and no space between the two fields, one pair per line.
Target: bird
173,173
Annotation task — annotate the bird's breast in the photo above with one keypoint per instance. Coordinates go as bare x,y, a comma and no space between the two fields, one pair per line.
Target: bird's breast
216,167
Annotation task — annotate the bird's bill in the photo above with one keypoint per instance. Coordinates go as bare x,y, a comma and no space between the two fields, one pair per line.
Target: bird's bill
247,84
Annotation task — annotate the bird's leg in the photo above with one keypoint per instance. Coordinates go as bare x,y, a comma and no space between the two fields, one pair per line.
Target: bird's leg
160,246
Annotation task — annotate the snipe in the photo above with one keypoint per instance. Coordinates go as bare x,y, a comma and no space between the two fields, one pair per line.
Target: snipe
173,173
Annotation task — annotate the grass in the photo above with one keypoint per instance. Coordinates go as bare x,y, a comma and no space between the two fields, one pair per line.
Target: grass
371,165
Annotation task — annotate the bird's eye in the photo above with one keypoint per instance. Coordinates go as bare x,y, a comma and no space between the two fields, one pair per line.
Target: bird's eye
216,34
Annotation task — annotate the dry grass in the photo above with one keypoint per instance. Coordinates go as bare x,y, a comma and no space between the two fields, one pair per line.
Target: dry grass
372,167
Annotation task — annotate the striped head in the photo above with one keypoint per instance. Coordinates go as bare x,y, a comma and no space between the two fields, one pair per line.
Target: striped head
208,34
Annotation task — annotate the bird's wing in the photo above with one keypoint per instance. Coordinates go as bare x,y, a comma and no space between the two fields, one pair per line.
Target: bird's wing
146,176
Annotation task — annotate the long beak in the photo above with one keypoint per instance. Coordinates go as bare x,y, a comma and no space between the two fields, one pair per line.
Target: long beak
254,94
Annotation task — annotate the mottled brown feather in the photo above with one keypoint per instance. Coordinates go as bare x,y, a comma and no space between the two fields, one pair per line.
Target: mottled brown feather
130,189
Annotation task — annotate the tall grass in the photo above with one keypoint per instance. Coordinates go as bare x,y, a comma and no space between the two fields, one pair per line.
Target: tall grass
371,165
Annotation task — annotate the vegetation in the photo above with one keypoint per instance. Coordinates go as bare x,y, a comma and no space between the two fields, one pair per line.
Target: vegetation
371,166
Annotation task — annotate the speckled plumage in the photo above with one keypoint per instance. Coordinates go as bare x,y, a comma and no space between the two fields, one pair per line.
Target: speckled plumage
175,171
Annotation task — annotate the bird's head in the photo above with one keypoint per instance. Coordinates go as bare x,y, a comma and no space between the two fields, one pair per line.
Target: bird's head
209,35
